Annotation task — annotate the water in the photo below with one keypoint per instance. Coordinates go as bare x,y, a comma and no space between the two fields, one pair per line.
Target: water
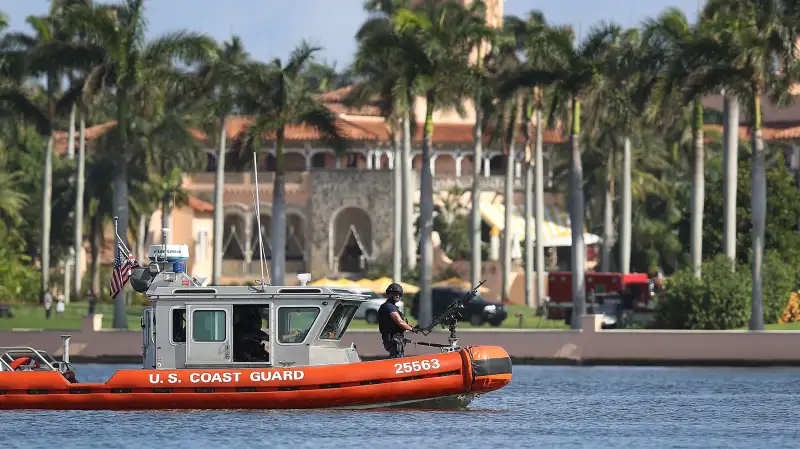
543,407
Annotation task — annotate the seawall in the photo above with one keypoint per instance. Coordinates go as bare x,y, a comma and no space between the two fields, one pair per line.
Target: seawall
589,345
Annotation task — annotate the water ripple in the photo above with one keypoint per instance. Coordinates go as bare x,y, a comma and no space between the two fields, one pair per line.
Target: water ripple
543,407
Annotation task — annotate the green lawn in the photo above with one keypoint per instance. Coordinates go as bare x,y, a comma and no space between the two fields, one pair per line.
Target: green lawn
783,327
32,317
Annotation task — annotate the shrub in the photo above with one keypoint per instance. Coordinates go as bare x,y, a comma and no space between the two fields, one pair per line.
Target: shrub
719,300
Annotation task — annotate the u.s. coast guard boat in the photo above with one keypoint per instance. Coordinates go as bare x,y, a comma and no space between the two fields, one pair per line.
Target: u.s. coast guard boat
257,347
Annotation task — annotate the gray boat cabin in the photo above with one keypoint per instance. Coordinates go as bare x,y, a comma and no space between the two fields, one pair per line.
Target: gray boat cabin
192,325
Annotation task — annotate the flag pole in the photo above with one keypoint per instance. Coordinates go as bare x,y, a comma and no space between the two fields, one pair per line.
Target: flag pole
116,234
120,242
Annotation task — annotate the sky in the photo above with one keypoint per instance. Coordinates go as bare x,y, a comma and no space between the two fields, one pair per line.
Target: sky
272,28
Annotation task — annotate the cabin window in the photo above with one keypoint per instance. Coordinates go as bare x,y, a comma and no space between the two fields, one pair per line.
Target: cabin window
295,322
179,325
340,319
208,325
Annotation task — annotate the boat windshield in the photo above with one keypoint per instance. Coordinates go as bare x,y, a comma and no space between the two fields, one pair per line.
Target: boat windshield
337,324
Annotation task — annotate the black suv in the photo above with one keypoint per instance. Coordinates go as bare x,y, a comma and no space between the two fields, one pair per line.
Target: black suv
477,311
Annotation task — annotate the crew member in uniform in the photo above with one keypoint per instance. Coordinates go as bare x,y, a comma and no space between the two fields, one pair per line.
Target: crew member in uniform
391,323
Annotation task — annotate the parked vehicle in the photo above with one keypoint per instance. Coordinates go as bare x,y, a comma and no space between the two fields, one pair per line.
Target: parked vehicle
637,294
368,310
477,311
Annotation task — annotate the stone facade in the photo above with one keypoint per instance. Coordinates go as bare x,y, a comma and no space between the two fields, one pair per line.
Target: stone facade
341,192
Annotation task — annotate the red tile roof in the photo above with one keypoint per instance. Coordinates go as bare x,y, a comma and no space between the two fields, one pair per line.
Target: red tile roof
199,205
365,124
352,128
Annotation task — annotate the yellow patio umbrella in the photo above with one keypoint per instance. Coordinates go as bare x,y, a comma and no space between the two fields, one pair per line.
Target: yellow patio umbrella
322,282
325,282
344,282
379,285
455,282
364,283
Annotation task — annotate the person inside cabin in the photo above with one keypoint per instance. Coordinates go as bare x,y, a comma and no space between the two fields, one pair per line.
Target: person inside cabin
249,346
391,323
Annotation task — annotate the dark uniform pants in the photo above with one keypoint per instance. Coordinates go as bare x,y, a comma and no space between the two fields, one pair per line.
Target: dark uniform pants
395,348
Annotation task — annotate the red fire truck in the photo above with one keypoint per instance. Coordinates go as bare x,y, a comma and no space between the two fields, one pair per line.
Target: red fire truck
636,293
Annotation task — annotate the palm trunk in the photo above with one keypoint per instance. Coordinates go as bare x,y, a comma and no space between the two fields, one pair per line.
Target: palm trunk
576,219
397,229
508,193
95,242
608,215
475,212
426,218
219,206
627,210
80,186
758,206
278,228
730,173
47,197
528,181
409,245
120,201
539,207
698,189
71,135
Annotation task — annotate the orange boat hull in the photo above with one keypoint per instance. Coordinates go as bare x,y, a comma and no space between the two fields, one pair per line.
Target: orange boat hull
414,382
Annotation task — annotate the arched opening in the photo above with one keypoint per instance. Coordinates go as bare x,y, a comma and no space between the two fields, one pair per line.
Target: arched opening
233,233
445,165
383,158
351,240
497,165
318,160
466,165
295,241
266,226
294,162
354,160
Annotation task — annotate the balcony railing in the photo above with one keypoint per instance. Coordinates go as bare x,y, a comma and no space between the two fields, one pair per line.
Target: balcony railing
440,182
245,178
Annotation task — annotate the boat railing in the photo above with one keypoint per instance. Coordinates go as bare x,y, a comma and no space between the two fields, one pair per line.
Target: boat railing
11,353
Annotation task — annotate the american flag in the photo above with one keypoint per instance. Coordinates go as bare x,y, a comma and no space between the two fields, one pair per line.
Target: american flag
122,270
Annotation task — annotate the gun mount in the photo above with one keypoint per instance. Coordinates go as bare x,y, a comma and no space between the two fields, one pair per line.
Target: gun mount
449,320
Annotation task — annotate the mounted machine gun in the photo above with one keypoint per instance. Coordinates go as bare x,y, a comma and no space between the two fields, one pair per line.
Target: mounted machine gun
448,319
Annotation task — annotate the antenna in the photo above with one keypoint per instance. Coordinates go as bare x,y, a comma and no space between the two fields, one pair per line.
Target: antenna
258,221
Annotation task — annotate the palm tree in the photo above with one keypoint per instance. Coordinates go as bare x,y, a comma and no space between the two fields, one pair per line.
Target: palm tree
576,77
537,41
221,82
382,85
749,48
614,108
31,53
80,175
503,59
434,39
278,95
122,61
405,95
